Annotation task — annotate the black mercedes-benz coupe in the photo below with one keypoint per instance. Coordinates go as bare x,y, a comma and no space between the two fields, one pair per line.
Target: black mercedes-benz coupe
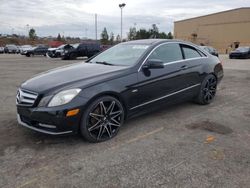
94,98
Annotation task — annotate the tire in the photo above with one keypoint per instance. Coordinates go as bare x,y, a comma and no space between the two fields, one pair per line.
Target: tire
207,91
64,58
102,119
27,55
72,56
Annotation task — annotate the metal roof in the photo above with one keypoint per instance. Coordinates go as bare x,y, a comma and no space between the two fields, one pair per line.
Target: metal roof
213,14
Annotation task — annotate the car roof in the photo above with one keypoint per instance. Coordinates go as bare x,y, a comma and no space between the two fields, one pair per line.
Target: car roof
151,41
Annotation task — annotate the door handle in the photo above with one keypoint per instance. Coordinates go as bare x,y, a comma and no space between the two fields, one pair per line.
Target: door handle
184,67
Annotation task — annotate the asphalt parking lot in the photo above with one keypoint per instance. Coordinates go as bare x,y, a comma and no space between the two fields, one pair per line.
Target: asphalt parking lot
185,145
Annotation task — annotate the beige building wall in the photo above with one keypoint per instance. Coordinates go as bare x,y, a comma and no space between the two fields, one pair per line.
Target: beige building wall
220,30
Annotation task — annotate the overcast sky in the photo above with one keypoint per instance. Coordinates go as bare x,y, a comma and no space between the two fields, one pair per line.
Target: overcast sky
76,17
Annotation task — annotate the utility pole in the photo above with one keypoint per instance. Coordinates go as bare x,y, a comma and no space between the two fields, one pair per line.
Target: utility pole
28,29
86,33
96,27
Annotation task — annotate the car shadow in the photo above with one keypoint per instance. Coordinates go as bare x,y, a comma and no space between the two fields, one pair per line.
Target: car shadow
38,141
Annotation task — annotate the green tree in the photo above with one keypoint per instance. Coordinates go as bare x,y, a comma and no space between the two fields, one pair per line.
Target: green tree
118,39
111,38
59,38
170,35
32,34
142,34
154,31
132,33
162,35
104,36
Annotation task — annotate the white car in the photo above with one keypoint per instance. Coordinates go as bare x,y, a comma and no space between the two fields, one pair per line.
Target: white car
57,52
24,48
11,48
1,50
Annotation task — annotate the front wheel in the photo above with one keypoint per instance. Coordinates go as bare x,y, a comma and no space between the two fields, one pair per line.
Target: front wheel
72,56
208,90
102,119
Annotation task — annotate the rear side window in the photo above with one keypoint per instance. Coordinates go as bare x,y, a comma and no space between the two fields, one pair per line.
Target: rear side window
190,52
167,53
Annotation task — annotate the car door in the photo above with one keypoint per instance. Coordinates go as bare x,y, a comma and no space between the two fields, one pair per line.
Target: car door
82,50
196,61
37,51
158,84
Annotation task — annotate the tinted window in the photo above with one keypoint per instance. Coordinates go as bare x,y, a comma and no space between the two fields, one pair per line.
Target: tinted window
190,52
167,53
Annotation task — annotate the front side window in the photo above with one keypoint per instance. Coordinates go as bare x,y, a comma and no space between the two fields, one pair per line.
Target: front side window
190,52
76,45
167,53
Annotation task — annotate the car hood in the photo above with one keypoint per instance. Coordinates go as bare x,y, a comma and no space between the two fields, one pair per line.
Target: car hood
83,74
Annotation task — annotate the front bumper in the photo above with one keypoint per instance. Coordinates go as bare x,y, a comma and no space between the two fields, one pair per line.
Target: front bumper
41,130
48,120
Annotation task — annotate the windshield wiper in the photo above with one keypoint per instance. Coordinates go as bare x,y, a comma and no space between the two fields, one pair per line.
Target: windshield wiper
103,62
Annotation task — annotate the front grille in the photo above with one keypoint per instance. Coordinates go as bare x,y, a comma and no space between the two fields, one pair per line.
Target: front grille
26,98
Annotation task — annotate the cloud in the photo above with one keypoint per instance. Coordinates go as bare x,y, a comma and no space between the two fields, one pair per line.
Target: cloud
76,17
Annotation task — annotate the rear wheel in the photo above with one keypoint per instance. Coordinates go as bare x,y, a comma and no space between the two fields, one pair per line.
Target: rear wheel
207,90
102,119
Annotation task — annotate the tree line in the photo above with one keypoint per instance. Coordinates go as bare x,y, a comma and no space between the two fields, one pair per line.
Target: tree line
134,34
110,39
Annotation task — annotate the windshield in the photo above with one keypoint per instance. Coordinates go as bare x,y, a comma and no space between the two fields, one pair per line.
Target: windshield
75,45
121,54
242,49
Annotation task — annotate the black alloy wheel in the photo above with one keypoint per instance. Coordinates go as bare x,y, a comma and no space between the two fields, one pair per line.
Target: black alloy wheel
208,90
102,119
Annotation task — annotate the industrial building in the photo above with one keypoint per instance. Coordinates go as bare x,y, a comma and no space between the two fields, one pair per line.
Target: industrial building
225,31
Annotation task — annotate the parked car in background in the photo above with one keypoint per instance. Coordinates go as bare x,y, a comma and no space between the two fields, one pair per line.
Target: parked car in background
38,50
210,50
96,97
24,48
105,47
11,49
1,50
81,50
57,52
240,53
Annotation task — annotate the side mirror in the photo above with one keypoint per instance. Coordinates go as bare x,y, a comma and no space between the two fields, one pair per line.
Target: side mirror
153,64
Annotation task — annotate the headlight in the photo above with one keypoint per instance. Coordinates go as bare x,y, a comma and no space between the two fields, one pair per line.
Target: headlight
63,97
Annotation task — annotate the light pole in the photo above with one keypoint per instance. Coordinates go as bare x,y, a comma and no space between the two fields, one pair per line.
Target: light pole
86,33
121,6
96,27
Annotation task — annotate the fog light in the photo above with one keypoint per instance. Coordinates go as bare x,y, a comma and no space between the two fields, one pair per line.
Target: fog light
72,112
